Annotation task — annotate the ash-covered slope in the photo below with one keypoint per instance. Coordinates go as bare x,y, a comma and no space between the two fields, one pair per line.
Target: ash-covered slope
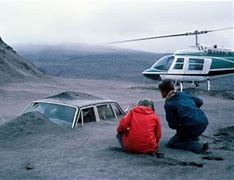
14,67
90,61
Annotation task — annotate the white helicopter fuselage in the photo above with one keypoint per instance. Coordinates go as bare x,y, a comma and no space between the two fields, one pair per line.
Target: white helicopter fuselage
182,71
194,65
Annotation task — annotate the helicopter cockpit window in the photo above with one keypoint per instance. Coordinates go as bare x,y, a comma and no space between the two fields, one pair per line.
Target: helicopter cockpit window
179,63
195,64
164,63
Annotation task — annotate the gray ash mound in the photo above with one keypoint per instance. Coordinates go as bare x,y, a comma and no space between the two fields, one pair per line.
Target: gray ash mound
14,67
226,136
27,125
222,139
71,95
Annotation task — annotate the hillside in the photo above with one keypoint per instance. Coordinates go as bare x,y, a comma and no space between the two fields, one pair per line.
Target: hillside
13,67
90,61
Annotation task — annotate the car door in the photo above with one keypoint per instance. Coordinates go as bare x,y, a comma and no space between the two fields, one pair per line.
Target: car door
105,111
86,114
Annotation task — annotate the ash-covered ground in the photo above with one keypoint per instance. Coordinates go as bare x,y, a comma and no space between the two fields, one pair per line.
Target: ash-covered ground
31,147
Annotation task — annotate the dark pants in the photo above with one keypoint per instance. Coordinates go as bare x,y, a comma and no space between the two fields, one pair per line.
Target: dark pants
119,138
187,138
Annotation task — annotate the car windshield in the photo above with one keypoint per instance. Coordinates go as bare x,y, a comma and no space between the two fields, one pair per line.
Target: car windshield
60,114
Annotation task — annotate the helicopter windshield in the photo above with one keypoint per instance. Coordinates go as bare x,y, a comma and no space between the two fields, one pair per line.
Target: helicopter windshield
164,63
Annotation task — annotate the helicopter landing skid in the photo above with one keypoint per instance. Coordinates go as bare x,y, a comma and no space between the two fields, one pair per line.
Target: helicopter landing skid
208,84
195,83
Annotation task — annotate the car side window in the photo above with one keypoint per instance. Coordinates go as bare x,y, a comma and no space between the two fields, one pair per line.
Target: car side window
88,115
105,112
117,110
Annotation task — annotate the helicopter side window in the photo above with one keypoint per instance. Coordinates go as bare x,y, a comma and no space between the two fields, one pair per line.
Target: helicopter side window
179,63
195,64
164,63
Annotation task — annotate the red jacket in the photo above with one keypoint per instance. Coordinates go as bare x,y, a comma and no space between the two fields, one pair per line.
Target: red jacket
141,130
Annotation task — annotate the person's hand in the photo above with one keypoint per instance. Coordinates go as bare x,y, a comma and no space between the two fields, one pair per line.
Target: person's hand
159,155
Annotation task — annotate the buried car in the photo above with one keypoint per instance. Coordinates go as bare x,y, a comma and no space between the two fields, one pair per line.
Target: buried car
75,108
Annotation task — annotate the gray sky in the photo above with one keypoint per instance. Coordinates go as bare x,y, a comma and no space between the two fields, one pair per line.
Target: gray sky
97,21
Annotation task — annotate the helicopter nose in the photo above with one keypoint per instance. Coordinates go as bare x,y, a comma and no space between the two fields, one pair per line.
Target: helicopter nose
152,74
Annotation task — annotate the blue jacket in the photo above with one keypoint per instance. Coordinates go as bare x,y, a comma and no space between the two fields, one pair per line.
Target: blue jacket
183,110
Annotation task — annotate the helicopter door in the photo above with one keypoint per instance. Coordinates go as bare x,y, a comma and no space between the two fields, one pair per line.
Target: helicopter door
177,67
197,65
207,65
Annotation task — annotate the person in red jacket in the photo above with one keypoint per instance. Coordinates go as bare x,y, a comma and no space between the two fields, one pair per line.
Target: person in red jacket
140,131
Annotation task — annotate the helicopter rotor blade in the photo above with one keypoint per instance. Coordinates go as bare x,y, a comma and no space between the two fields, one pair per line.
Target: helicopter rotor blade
222,29
170,35
148,38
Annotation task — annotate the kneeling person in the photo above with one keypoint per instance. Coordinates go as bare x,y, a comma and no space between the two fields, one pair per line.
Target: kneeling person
183,114
139,131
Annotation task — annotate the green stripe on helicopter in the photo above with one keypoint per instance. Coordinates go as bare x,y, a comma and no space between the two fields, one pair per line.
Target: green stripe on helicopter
221,63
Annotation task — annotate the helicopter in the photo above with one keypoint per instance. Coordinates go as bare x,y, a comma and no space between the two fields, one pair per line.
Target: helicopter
196,64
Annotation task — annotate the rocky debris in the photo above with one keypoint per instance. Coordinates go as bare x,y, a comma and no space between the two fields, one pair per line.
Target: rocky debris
216,158
29,166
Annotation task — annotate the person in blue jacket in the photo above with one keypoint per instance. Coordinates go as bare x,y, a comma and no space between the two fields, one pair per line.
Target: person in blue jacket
184,115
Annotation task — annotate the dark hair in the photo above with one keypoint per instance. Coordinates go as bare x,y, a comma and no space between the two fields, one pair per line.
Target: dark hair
146,102
166,85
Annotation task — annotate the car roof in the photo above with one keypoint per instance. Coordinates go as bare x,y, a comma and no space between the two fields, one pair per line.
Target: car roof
76,103
76,99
